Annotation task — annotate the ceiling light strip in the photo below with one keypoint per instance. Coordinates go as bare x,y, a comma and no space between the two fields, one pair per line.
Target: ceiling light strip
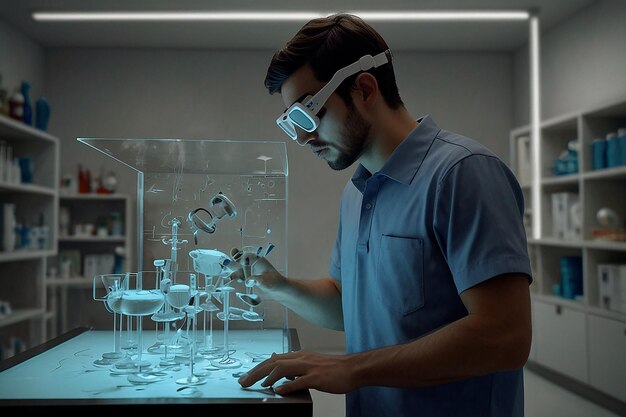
451,15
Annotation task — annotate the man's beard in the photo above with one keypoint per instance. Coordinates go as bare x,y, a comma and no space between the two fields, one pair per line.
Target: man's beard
354,140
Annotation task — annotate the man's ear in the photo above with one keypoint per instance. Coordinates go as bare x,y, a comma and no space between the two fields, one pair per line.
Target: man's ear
366,88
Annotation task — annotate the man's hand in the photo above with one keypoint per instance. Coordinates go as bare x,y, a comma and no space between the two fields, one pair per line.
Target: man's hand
306,370
257,271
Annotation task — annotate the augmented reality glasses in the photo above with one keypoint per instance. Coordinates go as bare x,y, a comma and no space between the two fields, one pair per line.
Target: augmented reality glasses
304,114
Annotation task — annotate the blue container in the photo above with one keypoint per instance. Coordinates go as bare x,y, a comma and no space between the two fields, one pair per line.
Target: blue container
28,108
571,276
42,114
613,154
598,151
26,169
621,139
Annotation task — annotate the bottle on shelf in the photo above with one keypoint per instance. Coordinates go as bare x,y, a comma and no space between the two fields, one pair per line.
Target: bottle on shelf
42,113
4,99
16,106
9,227
84,180
27,116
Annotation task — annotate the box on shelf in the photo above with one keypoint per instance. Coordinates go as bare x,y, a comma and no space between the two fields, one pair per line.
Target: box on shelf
98,264
612,286
566,221
571,268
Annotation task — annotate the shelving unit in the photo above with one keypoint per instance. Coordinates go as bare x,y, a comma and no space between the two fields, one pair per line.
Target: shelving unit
23,269
579,338
70,291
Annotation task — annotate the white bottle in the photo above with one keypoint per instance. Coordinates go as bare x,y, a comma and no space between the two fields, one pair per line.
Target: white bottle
8,238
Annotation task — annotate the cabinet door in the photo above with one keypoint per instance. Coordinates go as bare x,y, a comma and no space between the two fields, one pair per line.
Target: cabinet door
607,354
561,339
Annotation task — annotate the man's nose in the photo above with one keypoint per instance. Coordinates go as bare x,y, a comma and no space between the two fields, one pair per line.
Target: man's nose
305,137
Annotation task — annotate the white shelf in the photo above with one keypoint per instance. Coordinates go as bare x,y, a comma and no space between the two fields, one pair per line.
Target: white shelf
32,201
88,239
580,306
607,173
22,255
561,323
93,196
561,180
581,244
557,242
27,188
13,129
19,315
88,208
69,282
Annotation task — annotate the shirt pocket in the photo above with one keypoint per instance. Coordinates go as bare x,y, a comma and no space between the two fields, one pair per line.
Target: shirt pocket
400,274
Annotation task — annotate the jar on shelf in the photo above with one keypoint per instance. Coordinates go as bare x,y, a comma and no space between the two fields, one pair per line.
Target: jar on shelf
117,226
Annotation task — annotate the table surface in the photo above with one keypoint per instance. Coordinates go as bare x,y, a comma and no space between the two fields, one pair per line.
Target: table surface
62,372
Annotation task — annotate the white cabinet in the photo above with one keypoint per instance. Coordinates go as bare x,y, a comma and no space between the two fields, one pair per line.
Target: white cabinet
607,355
561,339
94,237
31,232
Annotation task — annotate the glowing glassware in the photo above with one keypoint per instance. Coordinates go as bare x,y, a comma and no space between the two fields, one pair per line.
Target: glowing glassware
226,361
136,302
110,283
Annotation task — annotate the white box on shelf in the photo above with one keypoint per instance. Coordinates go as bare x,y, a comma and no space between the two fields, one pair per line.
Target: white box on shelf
612,286
91,266
564,224
605,284
106,263
558,216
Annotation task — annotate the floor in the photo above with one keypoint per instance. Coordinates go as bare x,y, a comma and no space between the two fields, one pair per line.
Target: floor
543,399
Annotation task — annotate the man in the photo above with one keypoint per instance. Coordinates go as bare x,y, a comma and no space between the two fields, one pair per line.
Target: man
429,275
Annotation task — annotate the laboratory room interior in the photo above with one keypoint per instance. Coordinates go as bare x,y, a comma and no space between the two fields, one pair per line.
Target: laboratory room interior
147,191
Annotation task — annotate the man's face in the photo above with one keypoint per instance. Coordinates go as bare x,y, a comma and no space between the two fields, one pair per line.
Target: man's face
342,135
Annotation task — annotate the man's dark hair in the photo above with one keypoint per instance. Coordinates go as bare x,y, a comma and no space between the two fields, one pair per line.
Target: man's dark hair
328,44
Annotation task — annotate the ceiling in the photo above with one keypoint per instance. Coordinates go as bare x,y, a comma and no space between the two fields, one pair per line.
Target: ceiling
440,36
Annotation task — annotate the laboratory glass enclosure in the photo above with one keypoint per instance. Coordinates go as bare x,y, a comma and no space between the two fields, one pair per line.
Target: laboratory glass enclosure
197,202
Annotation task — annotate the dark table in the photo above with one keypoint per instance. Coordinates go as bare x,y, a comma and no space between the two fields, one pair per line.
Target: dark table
60,375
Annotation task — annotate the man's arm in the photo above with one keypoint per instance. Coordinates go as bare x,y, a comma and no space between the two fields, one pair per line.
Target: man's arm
317,301
494,336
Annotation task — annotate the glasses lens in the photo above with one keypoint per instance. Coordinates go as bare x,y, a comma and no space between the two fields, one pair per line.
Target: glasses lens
302,119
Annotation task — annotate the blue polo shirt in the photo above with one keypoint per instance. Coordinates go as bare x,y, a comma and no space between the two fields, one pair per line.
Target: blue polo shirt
442,215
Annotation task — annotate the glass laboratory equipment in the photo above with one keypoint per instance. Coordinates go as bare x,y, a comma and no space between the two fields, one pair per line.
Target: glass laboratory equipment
210,195
135,301
103,285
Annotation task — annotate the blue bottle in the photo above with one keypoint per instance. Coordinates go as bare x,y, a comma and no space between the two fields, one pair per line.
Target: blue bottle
598,150
612,150
42,113
28,108
621,138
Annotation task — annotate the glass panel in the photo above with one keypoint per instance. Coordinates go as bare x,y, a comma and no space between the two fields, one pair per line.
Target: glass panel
210,195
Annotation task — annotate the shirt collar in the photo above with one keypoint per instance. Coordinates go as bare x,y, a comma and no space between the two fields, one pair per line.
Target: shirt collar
406,159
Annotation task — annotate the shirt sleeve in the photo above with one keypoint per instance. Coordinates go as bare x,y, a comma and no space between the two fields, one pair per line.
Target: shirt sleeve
479,221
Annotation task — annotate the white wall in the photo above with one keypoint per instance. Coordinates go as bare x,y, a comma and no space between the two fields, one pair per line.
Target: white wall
20,59
583,62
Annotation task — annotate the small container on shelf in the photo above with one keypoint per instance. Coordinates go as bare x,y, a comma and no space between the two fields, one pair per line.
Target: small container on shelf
621,140
598,150
612,150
